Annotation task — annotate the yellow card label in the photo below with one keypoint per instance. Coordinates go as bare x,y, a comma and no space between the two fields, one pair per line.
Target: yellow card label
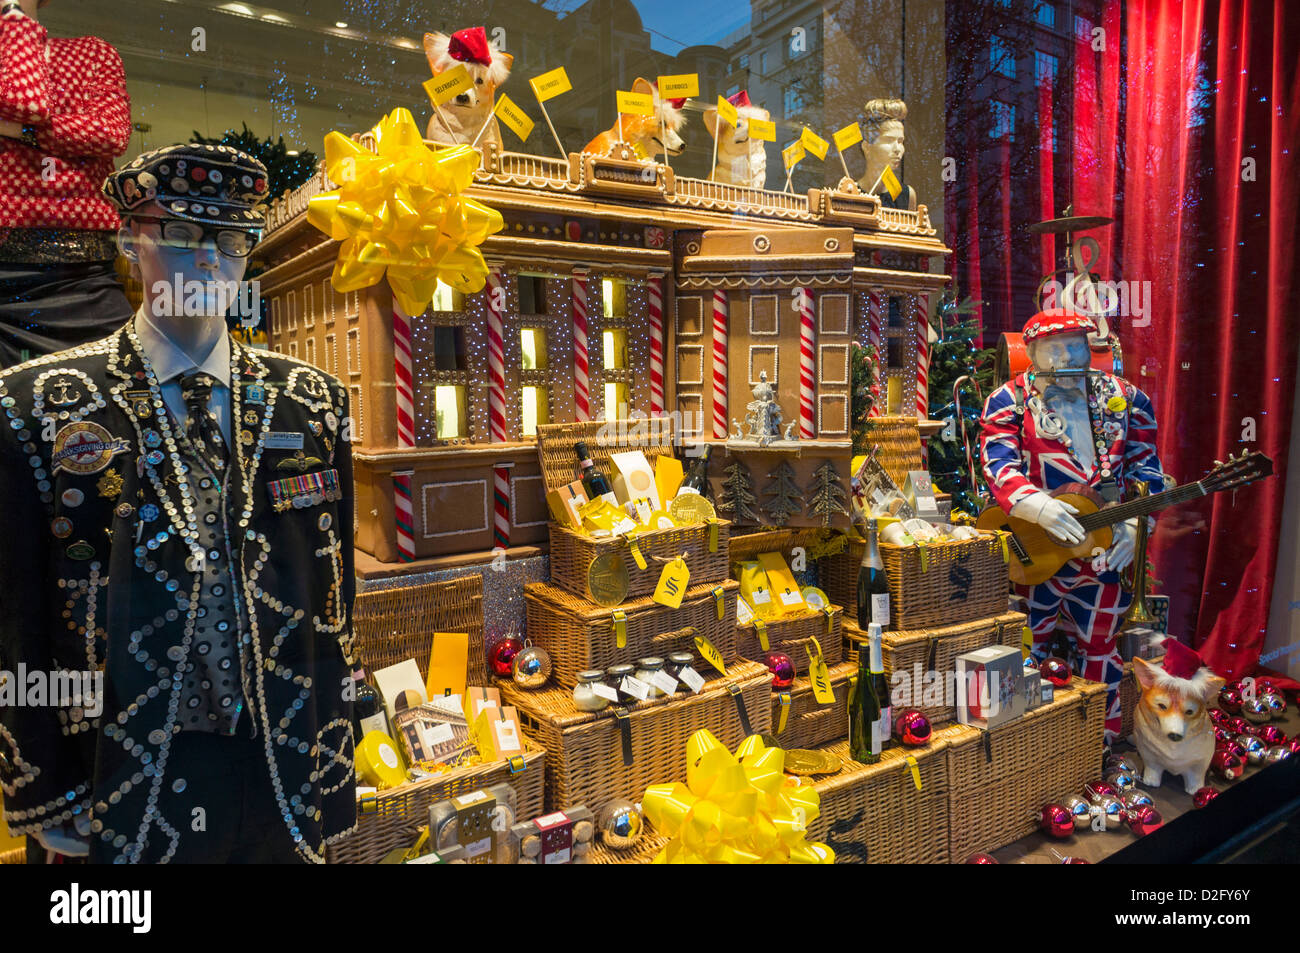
793,154
550,84
447,84
513,116
763,129
633,545
814,143
727,112
681,86
710,653
672,584
636,104
850,135
819,675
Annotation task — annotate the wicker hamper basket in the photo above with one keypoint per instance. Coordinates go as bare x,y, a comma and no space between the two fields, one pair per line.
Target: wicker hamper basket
392,625
585,753
999,780
581,635
809,724
873,813
962,579
935,650
393,818
643,851
898,440
794,637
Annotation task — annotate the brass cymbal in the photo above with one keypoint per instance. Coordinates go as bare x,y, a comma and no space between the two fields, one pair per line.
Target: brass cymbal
1071,223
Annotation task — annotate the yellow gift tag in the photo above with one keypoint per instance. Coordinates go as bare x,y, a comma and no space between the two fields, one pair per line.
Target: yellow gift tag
819,674
784,700
720,601
916,772
672,584
710,653
761,628
620,628
636,551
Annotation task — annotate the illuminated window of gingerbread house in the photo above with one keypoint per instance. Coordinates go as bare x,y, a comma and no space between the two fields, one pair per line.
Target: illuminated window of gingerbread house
613,296
534,390
617,376
534,408
447,298
451,412
450,363
532,349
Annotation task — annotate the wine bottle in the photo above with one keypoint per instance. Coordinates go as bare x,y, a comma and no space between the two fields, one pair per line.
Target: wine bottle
697,480
864,714
873,587
879,684
593,481
367,708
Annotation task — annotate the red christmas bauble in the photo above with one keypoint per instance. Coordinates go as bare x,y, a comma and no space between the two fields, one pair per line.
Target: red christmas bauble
1143,820
502,655
1056,671
1227,765
1099,789
1294,745
1265,684
1056,821
1230,701
782,669
1222,733
913,728
1204,796
1272,735
1233,746
1218,716
1074,860
1240,726
981,859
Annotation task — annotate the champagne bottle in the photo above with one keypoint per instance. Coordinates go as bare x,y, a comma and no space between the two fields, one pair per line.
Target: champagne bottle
593,481
879,683
367,708
697,480
864,714
873,587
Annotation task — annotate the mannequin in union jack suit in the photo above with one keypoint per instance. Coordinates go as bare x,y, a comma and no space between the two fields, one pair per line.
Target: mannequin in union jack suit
1041,432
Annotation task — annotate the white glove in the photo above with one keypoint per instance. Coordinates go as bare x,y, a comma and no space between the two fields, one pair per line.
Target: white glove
1052,515
1122,545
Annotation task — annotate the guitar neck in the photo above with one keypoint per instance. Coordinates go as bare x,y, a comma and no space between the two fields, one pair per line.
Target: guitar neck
1141,506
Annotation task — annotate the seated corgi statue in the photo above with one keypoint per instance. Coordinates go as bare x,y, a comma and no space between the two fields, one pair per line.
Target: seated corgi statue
741,159
642,134
459,120
1171,727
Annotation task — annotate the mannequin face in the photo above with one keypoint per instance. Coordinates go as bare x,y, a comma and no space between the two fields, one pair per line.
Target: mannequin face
169,272
888,147
1060,351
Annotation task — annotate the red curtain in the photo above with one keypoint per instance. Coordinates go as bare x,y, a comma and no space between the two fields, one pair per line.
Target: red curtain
1209,86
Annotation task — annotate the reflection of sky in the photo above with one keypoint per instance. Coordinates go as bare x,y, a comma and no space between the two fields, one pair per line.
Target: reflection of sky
673,24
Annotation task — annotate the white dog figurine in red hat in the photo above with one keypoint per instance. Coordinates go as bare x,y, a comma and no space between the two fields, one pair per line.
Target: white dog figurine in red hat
459,120
742,159
1172,727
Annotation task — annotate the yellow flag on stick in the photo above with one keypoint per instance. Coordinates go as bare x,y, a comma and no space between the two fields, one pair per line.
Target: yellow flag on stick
552,84
636,104
681,86
763,129
513,116
891,182
727,112
848,136
447,84
792,154
814,143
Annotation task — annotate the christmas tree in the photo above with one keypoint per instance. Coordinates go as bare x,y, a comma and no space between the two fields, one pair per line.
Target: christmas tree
785,495
826,496
737,498
957,355
285,170
864,360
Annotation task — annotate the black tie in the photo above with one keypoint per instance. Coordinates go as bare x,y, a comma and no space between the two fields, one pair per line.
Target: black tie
202,429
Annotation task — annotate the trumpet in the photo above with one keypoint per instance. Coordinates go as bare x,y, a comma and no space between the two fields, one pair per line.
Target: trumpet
1134,578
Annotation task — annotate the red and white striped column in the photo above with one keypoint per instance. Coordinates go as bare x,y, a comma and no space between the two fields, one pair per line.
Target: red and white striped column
403,515
655,298
807,365
720,425
496,305
876,340
581,382
922,356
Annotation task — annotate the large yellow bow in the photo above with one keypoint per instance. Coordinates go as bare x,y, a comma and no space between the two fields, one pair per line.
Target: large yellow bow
399,211
735,809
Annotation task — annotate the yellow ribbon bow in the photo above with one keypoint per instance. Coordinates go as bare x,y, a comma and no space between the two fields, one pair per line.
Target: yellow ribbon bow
735,809
399,212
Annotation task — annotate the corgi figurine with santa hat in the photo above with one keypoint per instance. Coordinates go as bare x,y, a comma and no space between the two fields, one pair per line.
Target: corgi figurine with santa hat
1171,727
459,120
742,159
646,136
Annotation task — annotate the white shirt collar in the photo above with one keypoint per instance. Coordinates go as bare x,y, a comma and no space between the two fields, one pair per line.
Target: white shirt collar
169,362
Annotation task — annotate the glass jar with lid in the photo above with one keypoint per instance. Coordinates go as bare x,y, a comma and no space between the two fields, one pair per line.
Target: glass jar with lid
584,693
678,661
645,671
615,675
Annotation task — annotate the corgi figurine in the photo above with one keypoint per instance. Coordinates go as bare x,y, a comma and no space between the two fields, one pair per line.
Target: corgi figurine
741,159
458,121
642,133
1171,727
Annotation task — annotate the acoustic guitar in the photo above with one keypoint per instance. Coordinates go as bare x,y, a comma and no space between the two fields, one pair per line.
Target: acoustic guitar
1037,556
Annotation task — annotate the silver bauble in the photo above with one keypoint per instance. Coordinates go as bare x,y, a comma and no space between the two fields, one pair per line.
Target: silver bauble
1080,810
1255,748
621,824
531,667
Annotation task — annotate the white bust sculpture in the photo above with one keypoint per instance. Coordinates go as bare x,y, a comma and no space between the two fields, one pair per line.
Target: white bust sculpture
882,145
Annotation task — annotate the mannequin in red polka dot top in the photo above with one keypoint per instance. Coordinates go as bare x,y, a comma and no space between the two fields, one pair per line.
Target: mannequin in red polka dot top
64,117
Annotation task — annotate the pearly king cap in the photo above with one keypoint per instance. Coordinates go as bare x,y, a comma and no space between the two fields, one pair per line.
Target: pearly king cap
212,185
1044,325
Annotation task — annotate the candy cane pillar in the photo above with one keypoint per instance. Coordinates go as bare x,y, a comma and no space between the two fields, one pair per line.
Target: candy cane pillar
581,383
923,357
496,304
807,365
655,298
403,516
720,426
876,340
